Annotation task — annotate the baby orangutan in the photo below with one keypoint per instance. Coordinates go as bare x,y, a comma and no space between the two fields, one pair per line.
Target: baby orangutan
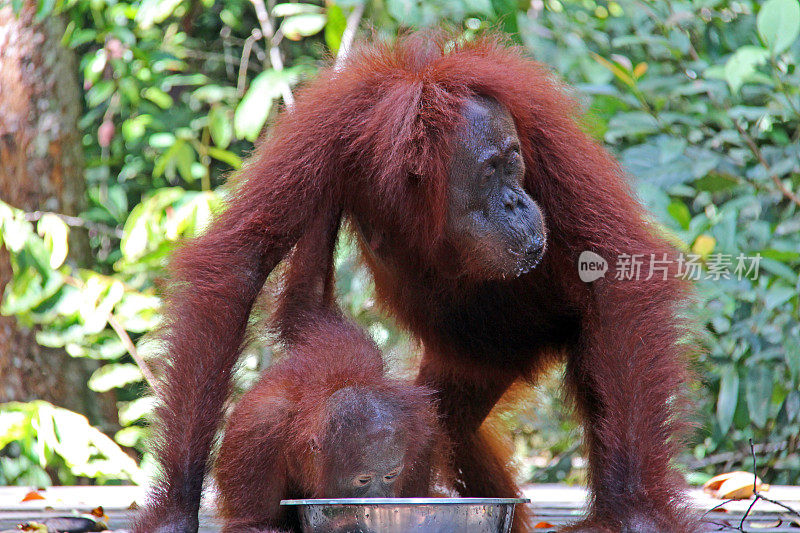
324,422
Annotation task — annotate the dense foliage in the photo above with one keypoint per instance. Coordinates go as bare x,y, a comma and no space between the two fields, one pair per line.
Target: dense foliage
699,100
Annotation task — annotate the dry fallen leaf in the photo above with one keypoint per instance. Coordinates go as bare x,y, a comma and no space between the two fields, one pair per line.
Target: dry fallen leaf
100,513
733,486
32,495
33,527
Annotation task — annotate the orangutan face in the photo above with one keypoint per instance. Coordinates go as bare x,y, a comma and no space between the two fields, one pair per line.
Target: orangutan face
491,218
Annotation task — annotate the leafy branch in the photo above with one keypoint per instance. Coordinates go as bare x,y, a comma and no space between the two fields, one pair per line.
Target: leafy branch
760,156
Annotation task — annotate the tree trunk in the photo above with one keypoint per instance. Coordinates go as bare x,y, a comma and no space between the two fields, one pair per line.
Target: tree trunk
41,168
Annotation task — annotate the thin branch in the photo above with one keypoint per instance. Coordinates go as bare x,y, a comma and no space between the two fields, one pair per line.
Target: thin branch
760,496
756,496
353,19
131,347
718,506
248,46
737,456
147,374
757,152
225,33
194,54
77,222
268,30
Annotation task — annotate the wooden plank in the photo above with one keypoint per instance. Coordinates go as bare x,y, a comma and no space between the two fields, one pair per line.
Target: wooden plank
556,504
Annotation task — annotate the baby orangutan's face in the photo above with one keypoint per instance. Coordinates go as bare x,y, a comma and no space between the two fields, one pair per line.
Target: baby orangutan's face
370,469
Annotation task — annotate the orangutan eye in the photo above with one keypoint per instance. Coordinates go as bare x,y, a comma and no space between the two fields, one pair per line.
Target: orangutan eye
393,474
361,481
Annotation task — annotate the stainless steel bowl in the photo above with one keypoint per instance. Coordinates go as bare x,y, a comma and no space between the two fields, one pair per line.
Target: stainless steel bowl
401,515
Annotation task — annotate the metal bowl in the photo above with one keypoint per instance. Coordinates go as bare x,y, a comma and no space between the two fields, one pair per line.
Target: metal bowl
402,515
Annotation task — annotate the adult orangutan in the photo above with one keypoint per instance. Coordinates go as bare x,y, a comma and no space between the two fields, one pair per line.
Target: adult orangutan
459,164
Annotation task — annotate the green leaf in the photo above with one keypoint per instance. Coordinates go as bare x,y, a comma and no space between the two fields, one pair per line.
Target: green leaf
220,126
133,128
288,10
741,66
406,12
633,123
99,93
158,97
507,15
778,295
618,71
55,233
778,24
253,110
100,295
134,234
716,181
138,312
136,238
161,140
14,425
298,26
335,27
184,157
114,376
728,397
792,355
680,213
225,156
87,451
111,348
792,405
130,412
179,156
479,7
758,392
779,269
130,436
22,293
194,214
213,93
29,288
44,8
154,11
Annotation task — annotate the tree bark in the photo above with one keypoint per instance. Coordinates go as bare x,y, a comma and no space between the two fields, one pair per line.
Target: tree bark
41,168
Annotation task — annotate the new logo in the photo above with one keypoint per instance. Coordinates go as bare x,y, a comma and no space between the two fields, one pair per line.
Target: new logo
591,266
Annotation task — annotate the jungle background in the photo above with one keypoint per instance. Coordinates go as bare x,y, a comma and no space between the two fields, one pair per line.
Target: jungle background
120,121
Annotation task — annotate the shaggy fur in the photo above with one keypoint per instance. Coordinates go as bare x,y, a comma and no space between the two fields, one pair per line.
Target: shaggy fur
372,141
275,444
278,443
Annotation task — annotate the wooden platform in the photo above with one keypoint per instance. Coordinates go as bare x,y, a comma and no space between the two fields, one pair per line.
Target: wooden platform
555,504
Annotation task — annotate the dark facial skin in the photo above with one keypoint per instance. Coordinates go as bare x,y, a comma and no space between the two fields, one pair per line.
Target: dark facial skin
363,449
374,471
491,219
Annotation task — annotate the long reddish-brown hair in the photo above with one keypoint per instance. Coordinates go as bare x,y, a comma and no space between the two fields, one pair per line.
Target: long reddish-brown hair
372,141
